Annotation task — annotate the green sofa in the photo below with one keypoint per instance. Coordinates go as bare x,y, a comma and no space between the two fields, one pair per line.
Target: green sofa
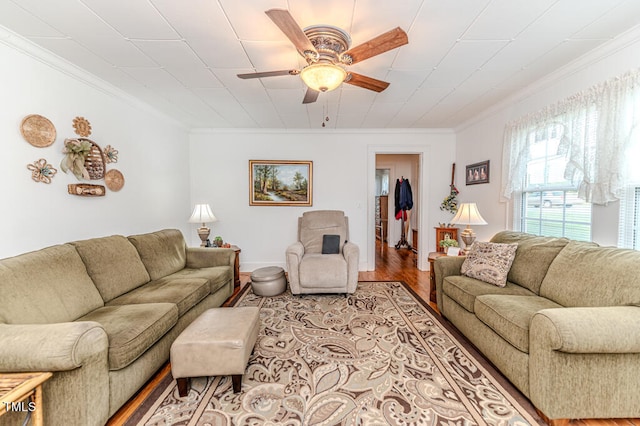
565,329
101,314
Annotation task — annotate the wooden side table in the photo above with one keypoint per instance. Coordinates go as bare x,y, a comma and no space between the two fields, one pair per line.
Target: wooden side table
432,275
236,267
23,392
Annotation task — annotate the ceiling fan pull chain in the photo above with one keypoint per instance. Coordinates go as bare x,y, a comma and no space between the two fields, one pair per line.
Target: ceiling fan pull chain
326,118
325,111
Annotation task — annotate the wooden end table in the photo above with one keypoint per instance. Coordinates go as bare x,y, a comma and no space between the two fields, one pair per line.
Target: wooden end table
23,392
432,275
236,267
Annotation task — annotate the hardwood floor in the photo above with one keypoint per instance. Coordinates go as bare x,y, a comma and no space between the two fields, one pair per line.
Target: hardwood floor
392,265
398,265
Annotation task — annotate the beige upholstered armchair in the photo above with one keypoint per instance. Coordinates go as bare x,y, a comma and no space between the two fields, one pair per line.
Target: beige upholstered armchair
311,271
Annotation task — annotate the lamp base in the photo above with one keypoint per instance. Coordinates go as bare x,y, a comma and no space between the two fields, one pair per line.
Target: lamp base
468,237
203,233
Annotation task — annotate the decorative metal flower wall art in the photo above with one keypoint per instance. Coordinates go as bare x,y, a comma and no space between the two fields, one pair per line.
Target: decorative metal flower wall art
42,171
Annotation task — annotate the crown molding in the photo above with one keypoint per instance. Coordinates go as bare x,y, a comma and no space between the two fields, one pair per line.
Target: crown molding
59,64
605,50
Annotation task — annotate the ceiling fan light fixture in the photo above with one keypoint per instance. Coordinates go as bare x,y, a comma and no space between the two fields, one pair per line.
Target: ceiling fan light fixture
323,77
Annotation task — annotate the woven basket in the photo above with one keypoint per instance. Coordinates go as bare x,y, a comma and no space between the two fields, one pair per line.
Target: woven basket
94,163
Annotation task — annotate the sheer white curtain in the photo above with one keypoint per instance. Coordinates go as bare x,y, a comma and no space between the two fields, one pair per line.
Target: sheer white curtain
597,126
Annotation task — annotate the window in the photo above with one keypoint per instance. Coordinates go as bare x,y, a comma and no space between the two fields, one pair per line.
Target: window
628,233
587,143
629,220
556,214
549,203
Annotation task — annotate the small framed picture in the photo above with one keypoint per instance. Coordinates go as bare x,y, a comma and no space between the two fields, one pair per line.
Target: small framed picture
477,173
453,251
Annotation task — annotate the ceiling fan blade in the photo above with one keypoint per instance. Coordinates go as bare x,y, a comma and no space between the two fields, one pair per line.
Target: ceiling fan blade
283,19
311,96
377,45
268,74
366,82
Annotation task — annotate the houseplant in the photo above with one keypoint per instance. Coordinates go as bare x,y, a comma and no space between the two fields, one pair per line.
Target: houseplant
448,242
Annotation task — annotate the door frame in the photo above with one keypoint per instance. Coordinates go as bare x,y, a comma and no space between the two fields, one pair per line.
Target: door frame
423,151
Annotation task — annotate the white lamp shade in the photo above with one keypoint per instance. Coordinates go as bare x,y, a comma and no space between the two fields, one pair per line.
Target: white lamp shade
202,214
468,214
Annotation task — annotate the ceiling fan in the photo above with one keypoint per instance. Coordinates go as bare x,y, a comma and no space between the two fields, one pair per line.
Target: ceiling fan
328,52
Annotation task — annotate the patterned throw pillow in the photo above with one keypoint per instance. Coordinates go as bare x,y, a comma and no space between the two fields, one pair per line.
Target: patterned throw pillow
489,262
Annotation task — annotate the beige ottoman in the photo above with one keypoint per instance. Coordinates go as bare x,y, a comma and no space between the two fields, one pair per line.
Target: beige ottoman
268,281
218,343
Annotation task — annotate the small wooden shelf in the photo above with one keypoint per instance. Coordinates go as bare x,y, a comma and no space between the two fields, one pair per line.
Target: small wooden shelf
442,233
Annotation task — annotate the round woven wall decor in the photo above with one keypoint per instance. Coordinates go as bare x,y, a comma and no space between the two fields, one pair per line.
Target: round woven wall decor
38,130
114,180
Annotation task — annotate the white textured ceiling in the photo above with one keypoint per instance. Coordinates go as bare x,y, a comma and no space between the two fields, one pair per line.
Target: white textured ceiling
182,56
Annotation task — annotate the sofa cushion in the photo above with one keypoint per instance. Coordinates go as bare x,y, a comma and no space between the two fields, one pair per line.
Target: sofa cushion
584,275
217,276
132,329
46,286
489,262
533,257
113,264
509,316
464,290
313,225
323,270
184,293
162,252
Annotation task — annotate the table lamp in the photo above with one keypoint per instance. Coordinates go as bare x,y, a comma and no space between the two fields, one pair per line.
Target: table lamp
202,214
468,214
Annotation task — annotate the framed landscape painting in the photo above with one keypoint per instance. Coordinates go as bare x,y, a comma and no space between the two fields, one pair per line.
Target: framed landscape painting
280,183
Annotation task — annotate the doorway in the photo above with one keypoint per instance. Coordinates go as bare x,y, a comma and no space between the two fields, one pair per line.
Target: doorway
397,230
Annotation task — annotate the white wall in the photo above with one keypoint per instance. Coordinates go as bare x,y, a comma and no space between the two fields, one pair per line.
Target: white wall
343,179
482,138
153,157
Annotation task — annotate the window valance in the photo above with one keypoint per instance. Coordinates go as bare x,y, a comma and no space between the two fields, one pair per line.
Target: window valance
596,128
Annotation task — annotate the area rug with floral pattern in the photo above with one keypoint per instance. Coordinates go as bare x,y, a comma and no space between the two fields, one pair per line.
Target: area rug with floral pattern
379,356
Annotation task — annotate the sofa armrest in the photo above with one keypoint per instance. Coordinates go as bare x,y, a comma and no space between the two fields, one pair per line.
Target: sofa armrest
577,355
50,347
294,255
593,330
203,257
443,267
